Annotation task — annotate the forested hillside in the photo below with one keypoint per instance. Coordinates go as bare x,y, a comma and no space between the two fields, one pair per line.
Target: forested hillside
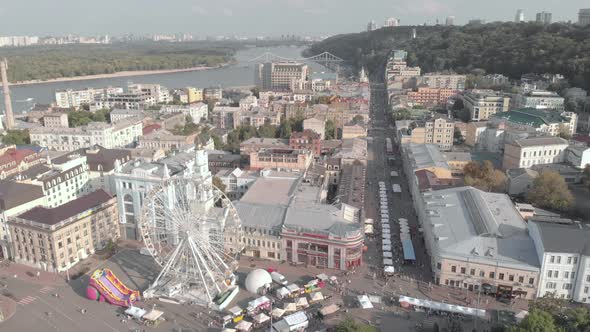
46,62
511,49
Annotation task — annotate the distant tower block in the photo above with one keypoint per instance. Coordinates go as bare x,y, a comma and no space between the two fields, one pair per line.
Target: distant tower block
7,101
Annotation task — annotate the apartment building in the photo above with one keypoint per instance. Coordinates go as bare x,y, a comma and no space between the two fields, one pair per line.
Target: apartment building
15,198
524,153
317,125
212,93
553,123
539,100
14,160
442,81
165,140
289,159
55,239
159,93
306,140
353,131
280,75
101,167
236,181
258,116
247,103
431,96
125,100
119,114
75,98
478,241
482,104
194,95
226,117
56,120
584,16
197,111
134,180
439,131
562,249
123,133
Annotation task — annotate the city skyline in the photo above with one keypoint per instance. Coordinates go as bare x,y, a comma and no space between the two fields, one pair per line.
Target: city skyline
257,17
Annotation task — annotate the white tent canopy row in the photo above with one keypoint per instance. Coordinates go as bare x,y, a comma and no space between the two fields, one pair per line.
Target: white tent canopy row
442,306
387,254
261,318
387,261
386,242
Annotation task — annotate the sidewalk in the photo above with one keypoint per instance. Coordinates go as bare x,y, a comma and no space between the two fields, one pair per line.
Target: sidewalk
7,308
30,274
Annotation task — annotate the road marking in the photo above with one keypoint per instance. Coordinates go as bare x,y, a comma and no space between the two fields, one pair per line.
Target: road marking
46,289
27,300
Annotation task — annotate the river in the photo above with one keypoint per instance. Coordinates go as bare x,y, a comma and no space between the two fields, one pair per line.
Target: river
239,74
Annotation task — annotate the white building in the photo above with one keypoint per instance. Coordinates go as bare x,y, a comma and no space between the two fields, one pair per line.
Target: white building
136,179
119,114
236,181
391,22
75,98
578,156
196,111
158,92
248,103
524,153
121,134
564,254
539,100
482,104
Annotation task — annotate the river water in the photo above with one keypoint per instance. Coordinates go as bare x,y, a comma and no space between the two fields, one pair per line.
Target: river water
239,74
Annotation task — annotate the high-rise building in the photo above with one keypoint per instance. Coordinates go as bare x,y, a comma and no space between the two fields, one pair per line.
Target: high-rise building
450,20
544,17
391,22
280,75
519,16
584,16
371,26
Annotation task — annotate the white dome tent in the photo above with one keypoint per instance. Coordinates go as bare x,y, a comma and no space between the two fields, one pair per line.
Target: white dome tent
256,280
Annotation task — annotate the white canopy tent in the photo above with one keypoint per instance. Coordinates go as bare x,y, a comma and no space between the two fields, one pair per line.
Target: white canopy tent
386,247
317,296
387,261
277,312
388,269
365,302
442,306
244,326
387,254
261,318
386,241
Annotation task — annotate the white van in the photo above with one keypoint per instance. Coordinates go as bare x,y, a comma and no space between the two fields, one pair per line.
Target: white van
279,278
145,251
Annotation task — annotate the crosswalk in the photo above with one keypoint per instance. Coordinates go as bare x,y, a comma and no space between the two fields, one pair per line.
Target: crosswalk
46,290
27,300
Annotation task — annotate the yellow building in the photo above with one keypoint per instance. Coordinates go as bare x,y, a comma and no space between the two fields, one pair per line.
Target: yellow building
194,94
58,238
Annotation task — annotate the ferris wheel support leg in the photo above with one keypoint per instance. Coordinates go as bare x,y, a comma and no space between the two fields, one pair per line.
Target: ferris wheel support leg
196,256
168,263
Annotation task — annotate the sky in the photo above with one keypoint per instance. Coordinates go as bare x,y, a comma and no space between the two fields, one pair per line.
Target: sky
254,17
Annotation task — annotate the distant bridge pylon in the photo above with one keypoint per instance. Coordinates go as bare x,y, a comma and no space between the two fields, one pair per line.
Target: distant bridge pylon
326,59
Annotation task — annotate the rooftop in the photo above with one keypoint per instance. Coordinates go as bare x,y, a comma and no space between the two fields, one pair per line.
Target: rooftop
553,235
55,215
469,224
532,117
14,194
281,142
540,141
426,156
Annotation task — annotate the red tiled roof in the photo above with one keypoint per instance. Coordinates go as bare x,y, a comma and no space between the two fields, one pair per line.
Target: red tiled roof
150,128
17,155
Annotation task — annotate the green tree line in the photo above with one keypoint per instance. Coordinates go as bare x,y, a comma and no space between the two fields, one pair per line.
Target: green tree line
506,48
47,62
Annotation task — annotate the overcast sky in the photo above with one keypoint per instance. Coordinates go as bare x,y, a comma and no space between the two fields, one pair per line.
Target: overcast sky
254,17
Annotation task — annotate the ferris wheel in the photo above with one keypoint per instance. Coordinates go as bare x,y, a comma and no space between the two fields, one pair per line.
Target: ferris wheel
183,224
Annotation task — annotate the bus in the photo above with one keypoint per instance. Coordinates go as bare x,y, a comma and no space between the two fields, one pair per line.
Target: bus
388,146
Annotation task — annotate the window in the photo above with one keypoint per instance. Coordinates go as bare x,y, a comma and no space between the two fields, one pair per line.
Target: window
521,279
454,269
501,276
531,281
558,259
569,260
573,275
552,259
482,274
556,274
586,290
492,275
511,277
588,278
575,260
438,266
566,275
472,272
463,270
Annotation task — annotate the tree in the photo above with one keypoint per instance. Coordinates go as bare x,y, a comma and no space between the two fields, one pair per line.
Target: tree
350,325
484,176
16,137
550,191
402,114
330,130
536,321
268,131
219,184
255,92
285,129
564,132
358,119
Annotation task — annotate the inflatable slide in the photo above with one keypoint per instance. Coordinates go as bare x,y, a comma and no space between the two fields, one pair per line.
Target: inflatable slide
105,286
